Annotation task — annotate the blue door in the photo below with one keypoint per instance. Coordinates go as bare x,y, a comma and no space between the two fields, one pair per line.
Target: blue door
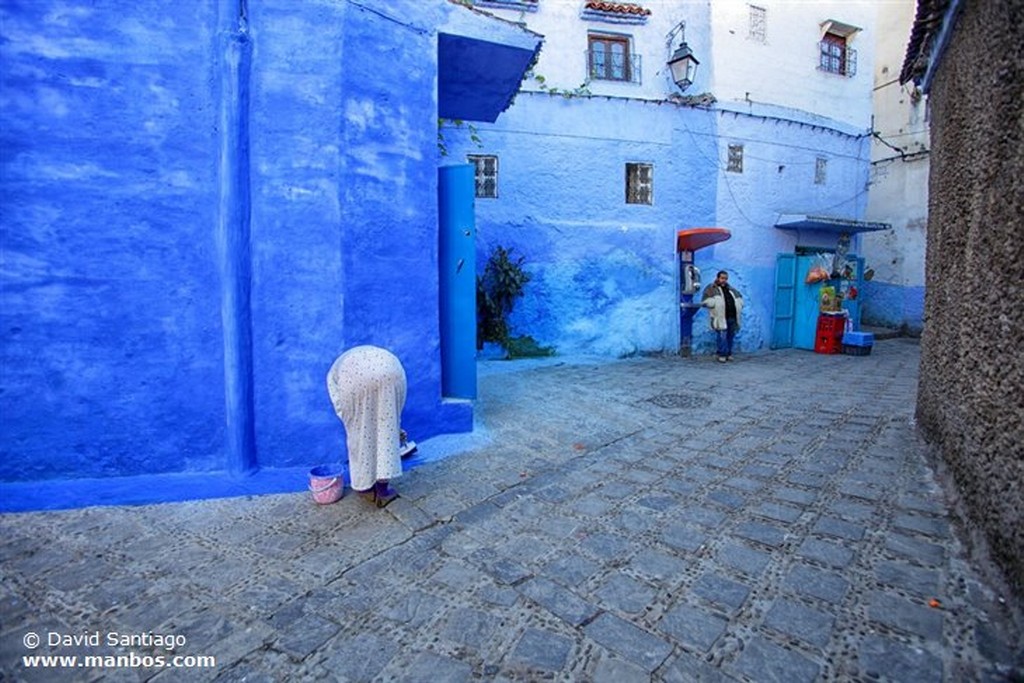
785,301
457,263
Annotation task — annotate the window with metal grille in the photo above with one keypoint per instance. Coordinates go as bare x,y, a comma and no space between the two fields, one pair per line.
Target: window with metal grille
639,183
820,170
735,159
609,59
758,24
486,175
836,56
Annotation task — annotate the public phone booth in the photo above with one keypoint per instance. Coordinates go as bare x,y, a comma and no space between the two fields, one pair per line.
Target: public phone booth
688,241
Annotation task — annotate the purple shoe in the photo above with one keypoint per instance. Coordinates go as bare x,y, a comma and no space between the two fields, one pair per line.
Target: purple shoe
383,493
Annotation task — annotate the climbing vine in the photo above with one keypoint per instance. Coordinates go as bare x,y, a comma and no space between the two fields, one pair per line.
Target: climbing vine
442,143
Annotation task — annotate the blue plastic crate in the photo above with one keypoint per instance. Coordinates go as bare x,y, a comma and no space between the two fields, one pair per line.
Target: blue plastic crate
858,338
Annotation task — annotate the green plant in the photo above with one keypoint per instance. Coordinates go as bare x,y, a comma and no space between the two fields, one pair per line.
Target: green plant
527,347
497,288
442,144
581,91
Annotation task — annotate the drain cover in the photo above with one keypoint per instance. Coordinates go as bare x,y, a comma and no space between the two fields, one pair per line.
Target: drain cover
678,400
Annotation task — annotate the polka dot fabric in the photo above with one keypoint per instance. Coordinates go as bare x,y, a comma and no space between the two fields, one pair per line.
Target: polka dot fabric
367,386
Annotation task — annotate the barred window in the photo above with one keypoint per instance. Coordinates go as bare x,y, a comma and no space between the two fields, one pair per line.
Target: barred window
639,183
610,59
758,24
820,169
735,159
836,56
486,175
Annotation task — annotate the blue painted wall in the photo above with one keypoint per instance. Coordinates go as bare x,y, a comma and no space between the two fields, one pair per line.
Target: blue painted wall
112,348
202,209
895,306
605,272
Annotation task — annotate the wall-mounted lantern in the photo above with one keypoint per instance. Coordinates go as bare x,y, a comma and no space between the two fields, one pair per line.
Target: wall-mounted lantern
682,63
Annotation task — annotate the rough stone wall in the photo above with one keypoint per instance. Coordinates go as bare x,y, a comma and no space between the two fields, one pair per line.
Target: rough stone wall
971,395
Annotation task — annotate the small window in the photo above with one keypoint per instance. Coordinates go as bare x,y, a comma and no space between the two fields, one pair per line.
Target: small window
486,175
820,170
610,59
836,56
639,184
758,24
735,159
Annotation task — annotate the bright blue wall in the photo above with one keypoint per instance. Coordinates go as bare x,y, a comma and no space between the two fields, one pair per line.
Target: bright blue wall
605,272
112,345
166,178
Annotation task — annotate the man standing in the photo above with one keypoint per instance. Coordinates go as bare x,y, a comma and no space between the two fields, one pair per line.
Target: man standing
725,303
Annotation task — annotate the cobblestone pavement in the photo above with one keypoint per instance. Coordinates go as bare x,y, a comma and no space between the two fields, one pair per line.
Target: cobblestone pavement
668,519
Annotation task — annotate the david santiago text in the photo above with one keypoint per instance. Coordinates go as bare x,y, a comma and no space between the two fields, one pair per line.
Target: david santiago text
165,641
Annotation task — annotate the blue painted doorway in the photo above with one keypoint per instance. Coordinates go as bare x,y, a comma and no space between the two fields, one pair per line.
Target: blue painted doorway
456,189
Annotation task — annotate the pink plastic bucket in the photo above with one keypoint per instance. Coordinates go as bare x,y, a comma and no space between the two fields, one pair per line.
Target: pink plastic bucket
326,484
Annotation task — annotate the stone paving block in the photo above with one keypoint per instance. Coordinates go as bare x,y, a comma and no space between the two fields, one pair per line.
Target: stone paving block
560,601
611,669
625,594
500,568
476,513
443,669
760,470
923,524
470,627
778,512
641,477
726,594
628,641
801,622
635,521
917,503
809,479
882,658
680,487
684,537
732,500
914,549
689,668
816,583
897,612
864,491
657,565
692,626
543,650
500,596
796,496
657,502
606,547
360,657
918,580
742,558
305,635
571,569
826,552
764,661
702,515
852,510
457,575
762,533
591,505
830,526
744,484
414,608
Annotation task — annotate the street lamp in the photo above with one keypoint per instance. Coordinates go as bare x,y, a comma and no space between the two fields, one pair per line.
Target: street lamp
682,63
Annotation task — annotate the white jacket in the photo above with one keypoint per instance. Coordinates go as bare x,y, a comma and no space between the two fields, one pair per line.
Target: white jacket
715,300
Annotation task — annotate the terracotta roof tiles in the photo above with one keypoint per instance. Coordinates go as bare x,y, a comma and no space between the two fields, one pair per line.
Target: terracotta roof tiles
617,7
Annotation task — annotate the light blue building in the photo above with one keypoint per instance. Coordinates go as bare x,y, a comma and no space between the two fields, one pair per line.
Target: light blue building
603,159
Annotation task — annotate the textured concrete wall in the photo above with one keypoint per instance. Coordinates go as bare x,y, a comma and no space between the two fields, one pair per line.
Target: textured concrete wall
971,397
